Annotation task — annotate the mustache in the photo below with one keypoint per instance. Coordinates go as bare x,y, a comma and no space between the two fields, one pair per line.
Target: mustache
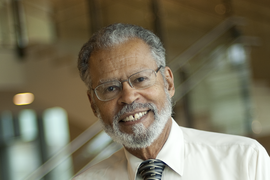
132,107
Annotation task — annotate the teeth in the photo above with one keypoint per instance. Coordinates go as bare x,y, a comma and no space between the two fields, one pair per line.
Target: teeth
130,117
135,117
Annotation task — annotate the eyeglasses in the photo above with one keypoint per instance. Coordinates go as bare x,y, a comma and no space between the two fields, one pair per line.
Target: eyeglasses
140,80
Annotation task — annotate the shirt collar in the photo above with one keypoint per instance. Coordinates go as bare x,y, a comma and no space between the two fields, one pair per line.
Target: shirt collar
172,153
133,164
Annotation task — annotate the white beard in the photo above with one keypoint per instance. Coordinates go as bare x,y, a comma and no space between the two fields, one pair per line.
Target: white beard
141,137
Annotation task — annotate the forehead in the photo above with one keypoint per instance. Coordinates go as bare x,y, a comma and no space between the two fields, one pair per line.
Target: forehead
120,60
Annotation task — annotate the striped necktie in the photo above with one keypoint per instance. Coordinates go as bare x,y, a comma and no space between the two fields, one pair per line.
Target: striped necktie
151,169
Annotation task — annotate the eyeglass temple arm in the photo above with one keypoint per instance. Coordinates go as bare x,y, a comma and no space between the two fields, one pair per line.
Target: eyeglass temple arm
159,68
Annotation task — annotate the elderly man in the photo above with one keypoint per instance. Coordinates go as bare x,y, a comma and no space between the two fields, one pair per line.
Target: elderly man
130,91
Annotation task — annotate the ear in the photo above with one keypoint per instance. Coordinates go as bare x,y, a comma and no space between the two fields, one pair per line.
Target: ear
170,81
93,105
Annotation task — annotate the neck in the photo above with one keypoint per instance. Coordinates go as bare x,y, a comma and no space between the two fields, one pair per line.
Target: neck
152,151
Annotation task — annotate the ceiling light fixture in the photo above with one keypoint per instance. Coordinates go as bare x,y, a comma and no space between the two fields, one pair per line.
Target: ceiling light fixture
23,99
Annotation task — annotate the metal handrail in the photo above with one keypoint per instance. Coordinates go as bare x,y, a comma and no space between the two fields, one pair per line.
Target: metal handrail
65,152
100,156
207,39
195,79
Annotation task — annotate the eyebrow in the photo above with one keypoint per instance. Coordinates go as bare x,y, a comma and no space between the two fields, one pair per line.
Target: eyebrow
102,81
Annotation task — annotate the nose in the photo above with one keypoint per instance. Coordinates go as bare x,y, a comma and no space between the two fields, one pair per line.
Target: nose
128,94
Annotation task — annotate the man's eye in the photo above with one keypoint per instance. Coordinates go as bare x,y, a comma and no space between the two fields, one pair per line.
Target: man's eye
111,88
141,79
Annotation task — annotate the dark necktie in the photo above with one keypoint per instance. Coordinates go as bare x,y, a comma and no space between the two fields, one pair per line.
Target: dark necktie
151,169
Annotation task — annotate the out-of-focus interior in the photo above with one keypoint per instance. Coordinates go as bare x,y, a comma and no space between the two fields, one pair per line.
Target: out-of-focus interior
218,51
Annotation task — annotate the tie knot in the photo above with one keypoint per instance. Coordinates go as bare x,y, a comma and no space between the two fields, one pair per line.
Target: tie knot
151,169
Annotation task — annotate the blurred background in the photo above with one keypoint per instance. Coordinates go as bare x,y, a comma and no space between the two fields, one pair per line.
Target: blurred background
218,50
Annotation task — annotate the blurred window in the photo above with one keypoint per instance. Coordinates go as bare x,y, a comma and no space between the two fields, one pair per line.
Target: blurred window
28,125
7,130
56,131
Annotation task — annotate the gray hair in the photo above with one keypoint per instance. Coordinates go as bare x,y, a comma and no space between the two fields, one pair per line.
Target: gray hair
116,34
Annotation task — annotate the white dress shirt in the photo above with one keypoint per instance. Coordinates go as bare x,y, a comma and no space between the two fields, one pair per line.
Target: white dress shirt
192,155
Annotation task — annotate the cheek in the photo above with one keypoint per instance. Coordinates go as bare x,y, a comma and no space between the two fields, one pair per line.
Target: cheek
157,95
107,111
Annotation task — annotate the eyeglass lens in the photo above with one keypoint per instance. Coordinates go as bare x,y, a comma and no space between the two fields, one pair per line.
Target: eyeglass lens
140,80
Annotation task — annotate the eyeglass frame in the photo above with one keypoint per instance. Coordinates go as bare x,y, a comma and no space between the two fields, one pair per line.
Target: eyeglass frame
126,80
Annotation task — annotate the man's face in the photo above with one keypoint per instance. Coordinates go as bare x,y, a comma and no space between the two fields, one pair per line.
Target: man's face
118,63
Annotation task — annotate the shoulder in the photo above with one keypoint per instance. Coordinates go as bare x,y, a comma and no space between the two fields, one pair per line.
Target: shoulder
105,169
218,140
242,156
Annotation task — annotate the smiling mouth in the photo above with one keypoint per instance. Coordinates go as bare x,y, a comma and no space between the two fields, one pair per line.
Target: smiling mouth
135,116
